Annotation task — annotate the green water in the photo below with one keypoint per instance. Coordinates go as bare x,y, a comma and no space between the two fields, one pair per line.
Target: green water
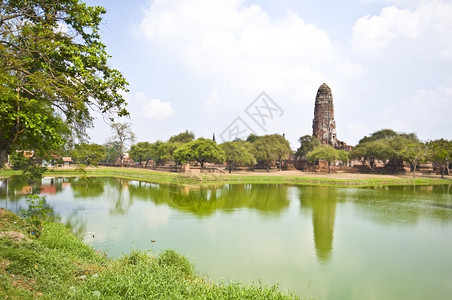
322,242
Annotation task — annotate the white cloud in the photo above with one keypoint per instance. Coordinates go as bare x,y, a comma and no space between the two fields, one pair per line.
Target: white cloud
424,112
240,47
153,108
158,109
429,25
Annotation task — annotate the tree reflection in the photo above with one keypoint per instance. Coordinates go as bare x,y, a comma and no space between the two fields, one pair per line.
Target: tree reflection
123,201
205,201
322,202
84,187
404,205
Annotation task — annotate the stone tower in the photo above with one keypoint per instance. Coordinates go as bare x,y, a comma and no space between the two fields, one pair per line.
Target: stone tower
323,125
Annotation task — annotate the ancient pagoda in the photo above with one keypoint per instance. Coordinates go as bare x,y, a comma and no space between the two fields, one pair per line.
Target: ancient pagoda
323,125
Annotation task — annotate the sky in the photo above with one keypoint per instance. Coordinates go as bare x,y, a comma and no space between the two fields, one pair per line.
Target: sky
235,67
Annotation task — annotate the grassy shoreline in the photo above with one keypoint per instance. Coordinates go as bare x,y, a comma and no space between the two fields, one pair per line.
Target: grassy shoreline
57,265
283,177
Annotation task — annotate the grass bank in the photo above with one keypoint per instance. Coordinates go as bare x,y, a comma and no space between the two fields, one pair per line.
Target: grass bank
283,177
57,265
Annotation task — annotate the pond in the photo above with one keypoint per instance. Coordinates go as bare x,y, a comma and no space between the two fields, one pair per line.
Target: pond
323,242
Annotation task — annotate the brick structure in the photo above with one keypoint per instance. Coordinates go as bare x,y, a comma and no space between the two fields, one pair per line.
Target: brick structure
323,125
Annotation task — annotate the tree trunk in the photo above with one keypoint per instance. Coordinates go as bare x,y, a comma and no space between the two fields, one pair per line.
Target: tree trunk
447,167
280,163
414,170
3,157
329,168
230,168
268,167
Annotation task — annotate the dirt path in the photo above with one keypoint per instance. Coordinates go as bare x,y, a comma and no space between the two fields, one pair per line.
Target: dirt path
334,175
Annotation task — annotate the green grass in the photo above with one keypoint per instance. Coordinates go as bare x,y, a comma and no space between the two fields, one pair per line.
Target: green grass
57,265
212,179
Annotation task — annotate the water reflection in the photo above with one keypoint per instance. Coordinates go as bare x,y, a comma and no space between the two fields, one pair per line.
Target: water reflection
257,231
403,205
400,205
85,187
205,201
322,201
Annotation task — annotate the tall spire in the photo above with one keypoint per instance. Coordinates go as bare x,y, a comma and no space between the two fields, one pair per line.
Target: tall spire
323,125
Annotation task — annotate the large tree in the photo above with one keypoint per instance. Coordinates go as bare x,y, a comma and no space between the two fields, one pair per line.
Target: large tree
141,151
269,148
441,153
327,153
385,145
122,136
307,144
237,152
54,73
183,137
88,154
414,152
201,150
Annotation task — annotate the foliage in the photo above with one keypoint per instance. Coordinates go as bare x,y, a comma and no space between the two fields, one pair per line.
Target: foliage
237,152
122,136
441,153
159,151
36,214
252,138
414,152
112,152
88,154
30,166
183,137
385,145
327,153
269,148
53,70
141,151
307,144
201,150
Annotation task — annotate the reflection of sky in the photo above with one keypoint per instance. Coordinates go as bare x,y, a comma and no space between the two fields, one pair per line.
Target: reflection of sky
378,245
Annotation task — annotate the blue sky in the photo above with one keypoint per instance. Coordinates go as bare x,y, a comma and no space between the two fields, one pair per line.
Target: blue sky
201,65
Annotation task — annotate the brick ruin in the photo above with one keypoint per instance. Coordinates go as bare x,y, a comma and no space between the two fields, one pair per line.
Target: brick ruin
323,125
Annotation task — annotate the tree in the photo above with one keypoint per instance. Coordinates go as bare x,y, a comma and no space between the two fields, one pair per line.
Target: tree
307,144
183,137
162,151
269,148
53,72
282,148
414,153
372,150
112,152
29,163
201,150
385,145
88,154
327,153
237,152
141,152
122,135
441,153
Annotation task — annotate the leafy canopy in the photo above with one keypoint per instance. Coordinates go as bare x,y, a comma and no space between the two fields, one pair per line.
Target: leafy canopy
201,150
54,73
